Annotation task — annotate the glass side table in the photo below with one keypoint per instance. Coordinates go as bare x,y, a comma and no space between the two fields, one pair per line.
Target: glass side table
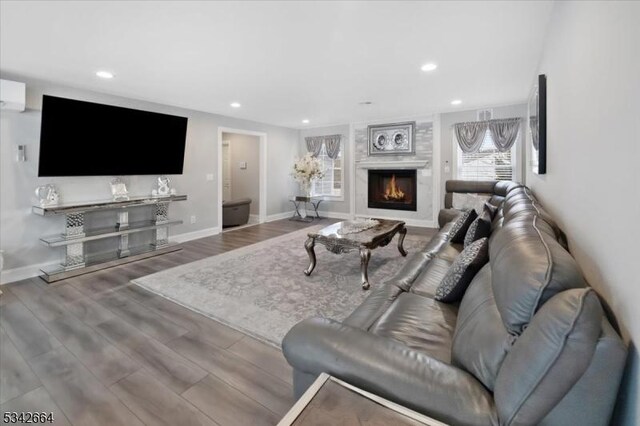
300,204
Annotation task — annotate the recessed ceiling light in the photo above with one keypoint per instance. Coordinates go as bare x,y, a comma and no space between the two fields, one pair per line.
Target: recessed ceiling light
365,103
305,121
429,67
235,105
105,74
456,102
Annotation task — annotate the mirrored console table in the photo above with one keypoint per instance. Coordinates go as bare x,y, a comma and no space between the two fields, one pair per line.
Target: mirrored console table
75,235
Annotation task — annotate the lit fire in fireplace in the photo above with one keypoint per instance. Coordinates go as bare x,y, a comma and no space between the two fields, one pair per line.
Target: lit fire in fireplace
393,192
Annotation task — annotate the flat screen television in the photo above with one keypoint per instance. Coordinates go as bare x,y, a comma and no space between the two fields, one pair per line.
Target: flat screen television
79,138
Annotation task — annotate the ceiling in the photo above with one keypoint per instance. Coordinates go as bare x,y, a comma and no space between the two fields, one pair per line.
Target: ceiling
283,61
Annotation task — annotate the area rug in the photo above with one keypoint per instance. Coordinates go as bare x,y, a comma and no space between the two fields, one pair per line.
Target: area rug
261,289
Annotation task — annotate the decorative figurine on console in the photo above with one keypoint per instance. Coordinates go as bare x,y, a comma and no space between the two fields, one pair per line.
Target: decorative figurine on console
163,187
119,190
47,195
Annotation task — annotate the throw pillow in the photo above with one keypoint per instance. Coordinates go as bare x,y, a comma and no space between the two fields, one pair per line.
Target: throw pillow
462,271
459,228
491,209
479,228
465,201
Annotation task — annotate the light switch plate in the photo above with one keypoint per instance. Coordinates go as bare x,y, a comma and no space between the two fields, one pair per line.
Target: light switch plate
243,165
426,172
210,177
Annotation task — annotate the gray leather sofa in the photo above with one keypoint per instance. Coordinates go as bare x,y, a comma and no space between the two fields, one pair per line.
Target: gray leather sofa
528,343
235,212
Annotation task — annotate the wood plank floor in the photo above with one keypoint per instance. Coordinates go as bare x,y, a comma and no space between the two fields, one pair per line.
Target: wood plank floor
97,350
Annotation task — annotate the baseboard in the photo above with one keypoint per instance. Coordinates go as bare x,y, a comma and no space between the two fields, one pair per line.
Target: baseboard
188,236
279,216
30,271
22,273
335,215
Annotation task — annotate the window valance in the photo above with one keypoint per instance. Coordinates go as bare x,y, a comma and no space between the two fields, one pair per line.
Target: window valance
504,133
331,143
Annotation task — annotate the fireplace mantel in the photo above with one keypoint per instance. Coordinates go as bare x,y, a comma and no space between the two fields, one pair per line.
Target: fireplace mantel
368,164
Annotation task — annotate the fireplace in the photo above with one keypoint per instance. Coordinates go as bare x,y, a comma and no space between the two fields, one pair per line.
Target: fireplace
392,189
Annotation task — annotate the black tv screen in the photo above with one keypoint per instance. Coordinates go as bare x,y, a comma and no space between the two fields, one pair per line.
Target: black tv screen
79,138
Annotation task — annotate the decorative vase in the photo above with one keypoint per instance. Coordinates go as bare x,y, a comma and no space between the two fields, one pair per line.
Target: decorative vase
306,189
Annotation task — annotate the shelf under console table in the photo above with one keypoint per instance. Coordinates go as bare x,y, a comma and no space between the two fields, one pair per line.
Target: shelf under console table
75,236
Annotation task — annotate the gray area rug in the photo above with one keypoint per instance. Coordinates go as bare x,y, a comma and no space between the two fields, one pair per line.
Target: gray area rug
261,289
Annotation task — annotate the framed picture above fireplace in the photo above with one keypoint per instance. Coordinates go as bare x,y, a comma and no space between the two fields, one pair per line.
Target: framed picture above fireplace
392,139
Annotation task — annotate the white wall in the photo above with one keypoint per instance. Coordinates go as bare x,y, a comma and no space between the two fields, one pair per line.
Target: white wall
20,230
342,205
592,186
245,183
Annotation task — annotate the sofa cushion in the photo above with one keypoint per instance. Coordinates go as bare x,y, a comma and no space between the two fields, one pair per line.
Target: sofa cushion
460,226
480,341
376,304
439,240
528,267
479,228
449,252
462,271
447,215
421,323
431,277
549,357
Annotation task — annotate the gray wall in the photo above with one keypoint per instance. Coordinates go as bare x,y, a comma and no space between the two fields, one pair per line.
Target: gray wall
245,183
447,120
20,230
592,185
337,206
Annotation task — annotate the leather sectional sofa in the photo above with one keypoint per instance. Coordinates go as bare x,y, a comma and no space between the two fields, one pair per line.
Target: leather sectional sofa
529,343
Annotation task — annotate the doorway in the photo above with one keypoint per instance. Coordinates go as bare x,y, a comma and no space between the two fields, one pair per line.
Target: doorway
241,176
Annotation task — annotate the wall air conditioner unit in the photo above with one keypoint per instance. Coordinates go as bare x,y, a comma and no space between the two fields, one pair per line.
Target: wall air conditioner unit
485,114
13,95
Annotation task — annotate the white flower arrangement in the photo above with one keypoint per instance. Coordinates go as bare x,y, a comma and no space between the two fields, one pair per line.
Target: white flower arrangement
306,170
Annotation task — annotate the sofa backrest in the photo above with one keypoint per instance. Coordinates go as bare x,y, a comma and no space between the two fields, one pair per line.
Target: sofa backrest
467,187
529,264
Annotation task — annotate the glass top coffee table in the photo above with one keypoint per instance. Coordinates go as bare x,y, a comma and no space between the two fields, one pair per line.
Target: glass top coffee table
330,401
340,238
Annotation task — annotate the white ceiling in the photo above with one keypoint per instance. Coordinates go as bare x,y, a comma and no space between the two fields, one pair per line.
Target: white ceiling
283,61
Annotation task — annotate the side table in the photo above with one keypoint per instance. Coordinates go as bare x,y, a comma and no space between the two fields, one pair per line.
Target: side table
330,401
301,202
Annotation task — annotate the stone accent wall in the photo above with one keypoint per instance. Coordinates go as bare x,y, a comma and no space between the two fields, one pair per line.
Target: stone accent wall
424,152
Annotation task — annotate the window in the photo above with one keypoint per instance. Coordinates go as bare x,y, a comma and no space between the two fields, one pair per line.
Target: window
331,183
488,163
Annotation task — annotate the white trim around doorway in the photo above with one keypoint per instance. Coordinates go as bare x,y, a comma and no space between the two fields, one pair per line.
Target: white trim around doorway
262,216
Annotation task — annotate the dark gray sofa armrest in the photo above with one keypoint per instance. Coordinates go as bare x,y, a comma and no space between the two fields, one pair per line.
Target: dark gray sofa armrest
389,369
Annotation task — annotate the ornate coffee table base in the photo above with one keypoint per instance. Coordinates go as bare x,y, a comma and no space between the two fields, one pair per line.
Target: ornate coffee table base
344,245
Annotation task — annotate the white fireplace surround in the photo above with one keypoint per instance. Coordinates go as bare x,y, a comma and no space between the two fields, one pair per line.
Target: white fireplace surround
423,160
398,165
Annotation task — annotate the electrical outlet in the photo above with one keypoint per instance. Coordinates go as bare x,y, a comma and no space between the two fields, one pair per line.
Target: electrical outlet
193,220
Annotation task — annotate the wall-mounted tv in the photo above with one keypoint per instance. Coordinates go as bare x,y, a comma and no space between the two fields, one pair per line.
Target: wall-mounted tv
79,138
